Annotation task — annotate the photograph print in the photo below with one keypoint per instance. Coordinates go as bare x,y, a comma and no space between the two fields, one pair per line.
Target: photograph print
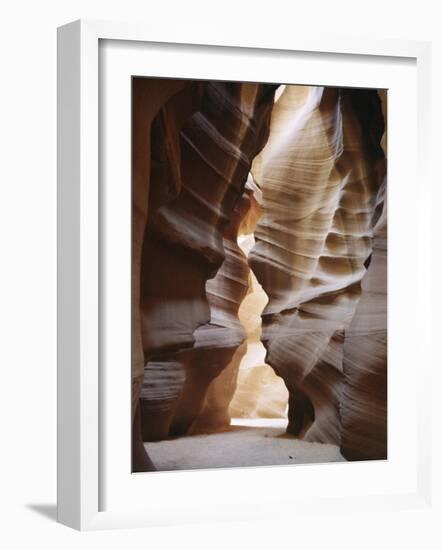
259,274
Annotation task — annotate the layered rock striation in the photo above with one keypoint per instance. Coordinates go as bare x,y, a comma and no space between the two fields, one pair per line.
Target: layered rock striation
199,167
364,401
321,172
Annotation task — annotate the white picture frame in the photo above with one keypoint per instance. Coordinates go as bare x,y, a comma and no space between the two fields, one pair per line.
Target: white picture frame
82,443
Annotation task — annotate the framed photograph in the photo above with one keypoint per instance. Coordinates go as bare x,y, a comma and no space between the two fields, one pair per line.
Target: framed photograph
239,319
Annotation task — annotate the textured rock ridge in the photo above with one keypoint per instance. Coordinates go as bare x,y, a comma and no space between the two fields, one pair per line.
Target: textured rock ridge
199,169
320,180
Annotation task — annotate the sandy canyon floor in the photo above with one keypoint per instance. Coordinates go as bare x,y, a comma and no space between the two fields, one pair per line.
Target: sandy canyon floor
246,442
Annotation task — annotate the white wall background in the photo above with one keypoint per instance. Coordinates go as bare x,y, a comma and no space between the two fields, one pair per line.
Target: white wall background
28,267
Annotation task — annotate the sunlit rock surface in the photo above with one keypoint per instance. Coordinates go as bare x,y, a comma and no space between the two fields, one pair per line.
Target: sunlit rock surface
320,177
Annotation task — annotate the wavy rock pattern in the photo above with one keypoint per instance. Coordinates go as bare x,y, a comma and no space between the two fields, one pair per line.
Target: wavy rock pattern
195,206
320,179
364,401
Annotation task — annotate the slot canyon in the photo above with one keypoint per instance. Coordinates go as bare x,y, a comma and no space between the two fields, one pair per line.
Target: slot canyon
259,274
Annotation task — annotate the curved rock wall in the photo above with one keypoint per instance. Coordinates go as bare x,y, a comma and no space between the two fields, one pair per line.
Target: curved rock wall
196,203
364,400
218,343
320,177
153,100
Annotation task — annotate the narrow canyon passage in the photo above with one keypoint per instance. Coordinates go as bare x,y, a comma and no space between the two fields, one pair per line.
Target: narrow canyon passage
256,432
259,275
256,435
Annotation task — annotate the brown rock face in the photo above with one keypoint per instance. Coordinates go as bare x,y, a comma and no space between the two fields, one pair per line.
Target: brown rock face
321,172
153,99
364,400
200,164
218,341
